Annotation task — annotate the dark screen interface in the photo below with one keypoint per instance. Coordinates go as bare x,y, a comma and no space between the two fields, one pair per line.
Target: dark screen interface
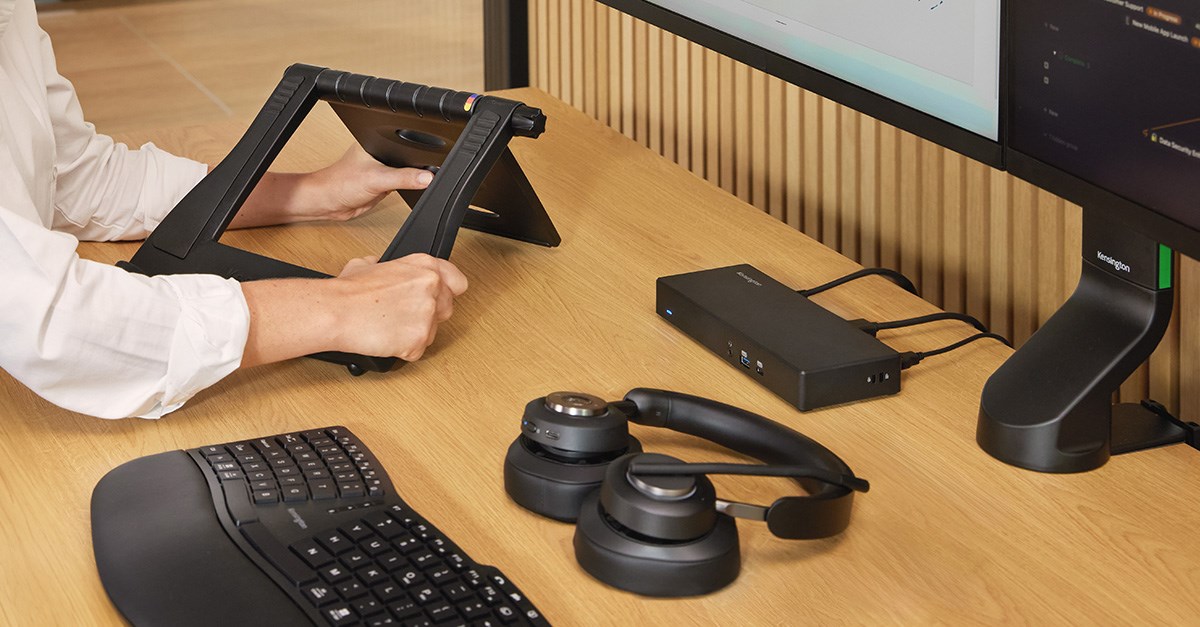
1109,91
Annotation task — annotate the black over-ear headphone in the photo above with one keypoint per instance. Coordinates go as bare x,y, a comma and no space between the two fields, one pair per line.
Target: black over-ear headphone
650,523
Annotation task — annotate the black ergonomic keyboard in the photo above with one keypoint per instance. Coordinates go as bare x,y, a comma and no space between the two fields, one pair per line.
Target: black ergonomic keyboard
289,529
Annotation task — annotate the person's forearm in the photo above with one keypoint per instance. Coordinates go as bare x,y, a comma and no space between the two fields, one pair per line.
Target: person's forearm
290,318
280,198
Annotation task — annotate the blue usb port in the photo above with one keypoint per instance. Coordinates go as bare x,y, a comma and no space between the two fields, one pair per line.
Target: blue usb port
745,359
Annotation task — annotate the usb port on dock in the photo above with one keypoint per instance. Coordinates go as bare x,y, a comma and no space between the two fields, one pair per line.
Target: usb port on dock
745,359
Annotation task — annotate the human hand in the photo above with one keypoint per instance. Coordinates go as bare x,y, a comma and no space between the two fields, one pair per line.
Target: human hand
393,309
345,189
356,182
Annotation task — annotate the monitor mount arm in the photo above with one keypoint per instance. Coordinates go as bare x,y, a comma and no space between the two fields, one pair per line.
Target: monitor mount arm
186,240
1049,407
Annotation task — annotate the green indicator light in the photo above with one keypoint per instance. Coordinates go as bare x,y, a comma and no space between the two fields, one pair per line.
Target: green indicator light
1165,259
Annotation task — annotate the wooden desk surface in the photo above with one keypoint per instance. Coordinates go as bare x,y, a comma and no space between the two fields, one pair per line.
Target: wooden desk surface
946,534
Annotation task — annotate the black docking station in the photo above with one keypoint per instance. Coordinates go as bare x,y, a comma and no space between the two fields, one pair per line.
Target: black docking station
806,354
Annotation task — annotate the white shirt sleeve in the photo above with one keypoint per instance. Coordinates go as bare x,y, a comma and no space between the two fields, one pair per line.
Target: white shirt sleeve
87,336
103,190
98,340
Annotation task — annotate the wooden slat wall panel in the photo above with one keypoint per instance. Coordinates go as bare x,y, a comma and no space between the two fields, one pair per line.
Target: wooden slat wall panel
972,238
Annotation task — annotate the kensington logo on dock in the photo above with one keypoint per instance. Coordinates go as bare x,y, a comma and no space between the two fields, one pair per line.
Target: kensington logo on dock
1121,266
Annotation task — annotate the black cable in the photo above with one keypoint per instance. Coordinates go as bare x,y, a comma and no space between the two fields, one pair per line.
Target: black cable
910,359
898,278
874,327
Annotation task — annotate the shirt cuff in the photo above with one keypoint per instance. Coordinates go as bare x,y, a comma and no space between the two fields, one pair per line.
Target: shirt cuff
209,338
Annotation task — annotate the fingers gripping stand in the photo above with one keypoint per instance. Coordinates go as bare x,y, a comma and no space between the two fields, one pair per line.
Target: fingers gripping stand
401,125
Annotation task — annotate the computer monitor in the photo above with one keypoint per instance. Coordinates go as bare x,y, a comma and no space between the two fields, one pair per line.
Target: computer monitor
1095,100
1104,109
930,67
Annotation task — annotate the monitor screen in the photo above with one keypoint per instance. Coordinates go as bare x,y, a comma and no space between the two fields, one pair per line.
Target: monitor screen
940,57
1109,92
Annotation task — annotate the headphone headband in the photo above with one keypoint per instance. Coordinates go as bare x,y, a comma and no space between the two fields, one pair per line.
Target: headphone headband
824,512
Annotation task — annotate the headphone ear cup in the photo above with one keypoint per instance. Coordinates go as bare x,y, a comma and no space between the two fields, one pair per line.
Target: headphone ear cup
552,486
642,565
657,536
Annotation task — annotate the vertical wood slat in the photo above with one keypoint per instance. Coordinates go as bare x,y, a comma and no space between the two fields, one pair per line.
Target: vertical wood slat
974,239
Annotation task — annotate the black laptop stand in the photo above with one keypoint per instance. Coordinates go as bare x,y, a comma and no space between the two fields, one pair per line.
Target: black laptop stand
461,137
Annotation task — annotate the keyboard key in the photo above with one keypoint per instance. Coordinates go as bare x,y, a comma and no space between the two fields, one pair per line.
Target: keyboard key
286,471
319,594
335,542
409,577
255,467
262,475
406,543
334,573
457,592
209,451
442,613
286,481
507,614
473,610
311,465
367,607
219,458
355,559
223,466
389,592
382,620
384,525
351,589
230,475
263,485
441,575
340,614
346,477
311,552
425,560
375,546
240,448
426,595
262,497
351,490
294,493
404,609
372,575
391,561
249,458
357,531
491,595
267,447
323,490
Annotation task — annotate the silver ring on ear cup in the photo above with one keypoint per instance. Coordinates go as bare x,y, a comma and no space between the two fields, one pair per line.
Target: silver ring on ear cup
665,519
619,558
554,487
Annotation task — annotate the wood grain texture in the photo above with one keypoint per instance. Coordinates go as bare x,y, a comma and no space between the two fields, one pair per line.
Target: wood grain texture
166,64
946,535
973,239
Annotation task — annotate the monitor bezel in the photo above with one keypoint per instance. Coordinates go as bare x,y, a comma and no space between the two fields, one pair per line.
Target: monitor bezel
904,117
